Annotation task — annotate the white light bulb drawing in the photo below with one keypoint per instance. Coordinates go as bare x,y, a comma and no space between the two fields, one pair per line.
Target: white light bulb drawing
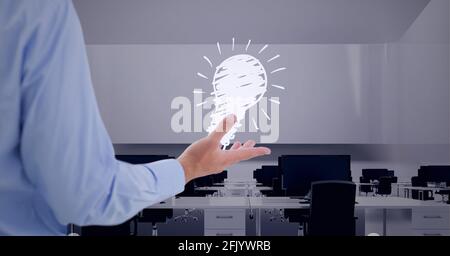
239,83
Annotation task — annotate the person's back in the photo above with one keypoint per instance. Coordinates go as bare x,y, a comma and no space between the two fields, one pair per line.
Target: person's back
57,163
18,197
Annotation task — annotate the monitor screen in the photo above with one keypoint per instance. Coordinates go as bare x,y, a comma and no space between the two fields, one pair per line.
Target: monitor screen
299,171
435,173
375,174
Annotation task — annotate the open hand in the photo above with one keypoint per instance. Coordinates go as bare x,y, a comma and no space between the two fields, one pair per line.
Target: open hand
205,156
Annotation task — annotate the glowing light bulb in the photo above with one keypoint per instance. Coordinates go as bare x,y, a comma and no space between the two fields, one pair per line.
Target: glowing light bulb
239,83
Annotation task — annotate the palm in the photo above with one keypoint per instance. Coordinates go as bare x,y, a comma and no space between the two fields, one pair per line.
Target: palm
206,157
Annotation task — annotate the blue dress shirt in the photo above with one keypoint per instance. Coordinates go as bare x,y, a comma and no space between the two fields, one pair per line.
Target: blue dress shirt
57,163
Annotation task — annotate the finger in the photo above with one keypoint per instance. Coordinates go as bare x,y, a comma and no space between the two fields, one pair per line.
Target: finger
246,153
236,145
249,144
222,128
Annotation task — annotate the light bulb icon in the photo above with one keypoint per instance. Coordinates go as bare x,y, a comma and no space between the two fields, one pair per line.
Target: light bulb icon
239,83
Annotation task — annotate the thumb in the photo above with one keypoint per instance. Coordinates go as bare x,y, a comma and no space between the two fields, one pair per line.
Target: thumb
223,127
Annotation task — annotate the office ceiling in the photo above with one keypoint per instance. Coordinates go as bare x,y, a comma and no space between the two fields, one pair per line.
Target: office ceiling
263,21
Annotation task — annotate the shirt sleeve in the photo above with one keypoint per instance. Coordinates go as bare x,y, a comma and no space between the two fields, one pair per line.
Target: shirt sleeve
66,151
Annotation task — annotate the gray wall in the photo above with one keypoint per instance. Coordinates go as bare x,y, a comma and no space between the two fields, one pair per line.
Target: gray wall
390,93
402,89
387,93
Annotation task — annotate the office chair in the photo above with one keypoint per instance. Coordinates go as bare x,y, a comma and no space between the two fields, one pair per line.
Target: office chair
155,216
257,175
365,188
300,216
394,179
332,209
384,187
416,181
374,174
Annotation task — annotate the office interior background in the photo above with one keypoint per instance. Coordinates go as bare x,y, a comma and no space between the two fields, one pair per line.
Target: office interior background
368,79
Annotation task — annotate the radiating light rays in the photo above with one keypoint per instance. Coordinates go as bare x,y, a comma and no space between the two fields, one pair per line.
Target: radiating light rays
255,124
278,86
274,101
202,76
273,58
277,70
265,114
262,49
248,44
208,60
201,103
229,68
218,48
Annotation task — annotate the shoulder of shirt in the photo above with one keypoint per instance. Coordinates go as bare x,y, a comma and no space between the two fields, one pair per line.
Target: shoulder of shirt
48,7
33,10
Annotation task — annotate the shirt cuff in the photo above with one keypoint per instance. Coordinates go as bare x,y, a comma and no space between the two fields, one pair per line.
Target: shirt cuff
169,175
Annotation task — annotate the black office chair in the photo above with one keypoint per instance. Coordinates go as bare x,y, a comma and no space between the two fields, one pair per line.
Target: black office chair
374,174
394,179
155,216
365,188
257,175
416,181
332,209
384,187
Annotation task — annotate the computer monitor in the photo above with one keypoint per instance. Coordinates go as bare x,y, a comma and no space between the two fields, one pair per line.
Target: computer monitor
375,174
299,171
435,173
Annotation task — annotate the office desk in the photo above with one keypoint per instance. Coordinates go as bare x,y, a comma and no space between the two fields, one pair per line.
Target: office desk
421,190
239,183
374,185
217,205
217,188
236,190
230,202
400,185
